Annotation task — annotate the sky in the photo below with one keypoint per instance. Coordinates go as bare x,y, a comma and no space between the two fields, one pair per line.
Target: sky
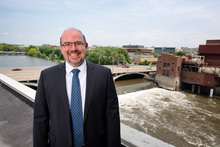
158,23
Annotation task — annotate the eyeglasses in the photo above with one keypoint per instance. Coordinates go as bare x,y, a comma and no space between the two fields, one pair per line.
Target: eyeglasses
77,44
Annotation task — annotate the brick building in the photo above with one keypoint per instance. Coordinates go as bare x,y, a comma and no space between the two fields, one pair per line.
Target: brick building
198,73
211,51
169,71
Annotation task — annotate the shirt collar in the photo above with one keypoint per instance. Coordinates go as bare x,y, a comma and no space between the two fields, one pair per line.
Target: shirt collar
82,67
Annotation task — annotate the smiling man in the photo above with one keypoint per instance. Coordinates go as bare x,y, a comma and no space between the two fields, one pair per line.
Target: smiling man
73,47
76,102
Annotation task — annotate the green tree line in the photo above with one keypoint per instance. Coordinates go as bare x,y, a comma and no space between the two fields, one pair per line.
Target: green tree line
45,53
108,56
40,52
12,47
101,55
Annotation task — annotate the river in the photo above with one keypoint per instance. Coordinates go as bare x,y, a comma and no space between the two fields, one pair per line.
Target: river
178,118
19,61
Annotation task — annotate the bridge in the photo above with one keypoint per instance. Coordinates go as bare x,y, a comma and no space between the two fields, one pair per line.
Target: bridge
30,76
12,53
118,72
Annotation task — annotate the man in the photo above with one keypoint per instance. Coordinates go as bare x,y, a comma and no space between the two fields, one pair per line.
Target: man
53,114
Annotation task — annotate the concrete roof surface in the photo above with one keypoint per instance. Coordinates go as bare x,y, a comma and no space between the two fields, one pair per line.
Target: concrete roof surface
16,121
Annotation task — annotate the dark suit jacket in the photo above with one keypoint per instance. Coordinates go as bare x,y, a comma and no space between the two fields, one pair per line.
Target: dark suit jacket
52,119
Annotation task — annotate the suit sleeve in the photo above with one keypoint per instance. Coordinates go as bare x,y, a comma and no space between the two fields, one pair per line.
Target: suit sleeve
41,117
112,114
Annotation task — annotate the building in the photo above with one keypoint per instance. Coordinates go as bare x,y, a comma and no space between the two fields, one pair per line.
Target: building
199,76
158,50
142,58
211,52
189,50
133,46
198,73
169,71
163,50
212,42
52,46
136,48
169,50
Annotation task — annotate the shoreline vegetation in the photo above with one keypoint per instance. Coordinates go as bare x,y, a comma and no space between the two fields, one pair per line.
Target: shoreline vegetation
99,55
45,51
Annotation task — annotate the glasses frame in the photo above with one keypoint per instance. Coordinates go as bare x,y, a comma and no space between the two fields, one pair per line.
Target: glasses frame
75,44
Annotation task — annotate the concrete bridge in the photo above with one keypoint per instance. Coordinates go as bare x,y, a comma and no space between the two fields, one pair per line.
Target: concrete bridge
11,53
118,72
30,76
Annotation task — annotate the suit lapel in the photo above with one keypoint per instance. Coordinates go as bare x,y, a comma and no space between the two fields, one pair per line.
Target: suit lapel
61,80
90,85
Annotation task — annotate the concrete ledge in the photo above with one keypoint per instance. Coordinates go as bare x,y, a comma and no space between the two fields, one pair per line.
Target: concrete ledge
135,138
23,92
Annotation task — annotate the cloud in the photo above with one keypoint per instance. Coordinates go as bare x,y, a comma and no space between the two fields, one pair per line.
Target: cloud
109,22
5,33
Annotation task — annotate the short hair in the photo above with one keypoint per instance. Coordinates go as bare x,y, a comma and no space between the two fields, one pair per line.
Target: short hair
72,29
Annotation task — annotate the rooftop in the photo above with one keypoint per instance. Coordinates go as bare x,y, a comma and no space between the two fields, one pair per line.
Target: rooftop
16,121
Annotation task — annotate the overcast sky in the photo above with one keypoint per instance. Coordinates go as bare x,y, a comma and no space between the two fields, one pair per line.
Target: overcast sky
159,23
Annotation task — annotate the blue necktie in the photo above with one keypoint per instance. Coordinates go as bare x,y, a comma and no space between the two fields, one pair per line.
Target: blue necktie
76,110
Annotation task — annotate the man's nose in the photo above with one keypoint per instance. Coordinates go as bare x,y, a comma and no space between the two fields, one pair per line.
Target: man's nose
73,47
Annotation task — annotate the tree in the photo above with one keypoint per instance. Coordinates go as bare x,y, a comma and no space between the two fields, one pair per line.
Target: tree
57,52
26,49
138,53
155,55
122,58
32,52
11,47
38,54
45,50
106,56
42,49
49,51
31,46
179,53
125,53
14,48
6,47
115,56
1,47
51,56
144,63
93,57
61,57
44,56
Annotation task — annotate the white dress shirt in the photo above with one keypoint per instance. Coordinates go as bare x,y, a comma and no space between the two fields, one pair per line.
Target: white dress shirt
82,79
